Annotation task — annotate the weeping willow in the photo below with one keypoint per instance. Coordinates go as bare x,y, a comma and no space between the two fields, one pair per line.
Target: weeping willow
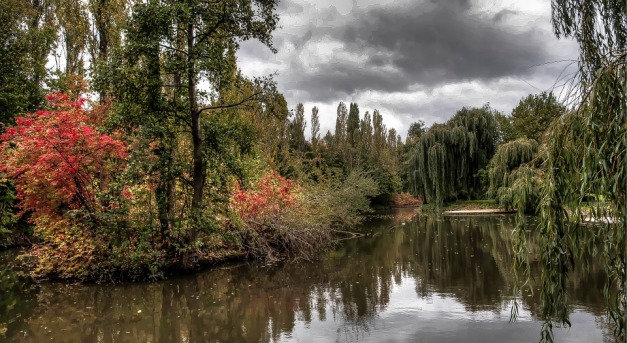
585,155
509,171
447,158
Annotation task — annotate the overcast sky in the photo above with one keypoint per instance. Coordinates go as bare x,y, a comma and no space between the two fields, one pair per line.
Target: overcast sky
411,59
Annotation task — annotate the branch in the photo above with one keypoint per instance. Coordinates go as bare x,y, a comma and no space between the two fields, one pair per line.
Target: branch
173,48
217,107
207,33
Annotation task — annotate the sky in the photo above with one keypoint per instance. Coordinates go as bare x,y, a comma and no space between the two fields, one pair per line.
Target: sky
411,59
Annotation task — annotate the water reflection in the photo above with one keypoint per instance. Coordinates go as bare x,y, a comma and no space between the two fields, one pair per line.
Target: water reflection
432,278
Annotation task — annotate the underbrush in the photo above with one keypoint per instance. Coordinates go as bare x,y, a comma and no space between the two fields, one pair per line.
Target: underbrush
278,218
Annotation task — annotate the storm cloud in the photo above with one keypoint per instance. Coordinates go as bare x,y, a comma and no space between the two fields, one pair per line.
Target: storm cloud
406,56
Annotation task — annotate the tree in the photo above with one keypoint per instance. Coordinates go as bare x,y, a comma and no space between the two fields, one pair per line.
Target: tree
534,114
60,162
504,173
415,130
505,128
26,36
366,136
108,18
297,129
379,132
446,160
315,127
585,154
74,28
340,126
177,47
352,124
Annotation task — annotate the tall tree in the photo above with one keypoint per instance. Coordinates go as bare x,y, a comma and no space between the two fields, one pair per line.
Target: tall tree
179,47
297,129
108,18
73,21
366,136
352,124
27,33
340,125
315,127
534,114
379,134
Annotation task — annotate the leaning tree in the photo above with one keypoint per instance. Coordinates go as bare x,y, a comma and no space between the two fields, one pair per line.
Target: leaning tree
585,155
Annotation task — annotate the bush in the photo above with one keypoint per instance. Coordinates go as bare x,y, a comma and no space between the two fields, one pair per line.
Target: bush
279,218
405,199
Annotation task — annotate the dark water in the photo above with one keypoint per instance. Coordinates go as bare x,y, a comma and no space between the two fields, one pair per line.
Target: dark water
432,279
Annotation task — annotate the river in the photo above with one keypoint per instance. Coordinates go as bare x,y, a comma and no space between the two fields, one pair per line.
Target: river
424,278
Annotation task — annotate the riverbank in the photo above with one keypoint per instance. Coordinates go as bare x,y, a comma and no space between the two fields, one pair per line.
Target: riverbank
398,269
465,205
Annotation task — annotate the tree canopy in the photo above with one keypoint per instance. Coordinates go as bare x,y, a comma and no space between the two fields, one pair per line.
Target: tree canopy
585,154
447,158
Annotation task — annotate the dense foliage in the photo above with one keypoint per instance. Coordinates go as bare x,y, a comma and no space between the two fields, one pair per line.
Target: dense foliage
446,161
165,167
507,171
585,158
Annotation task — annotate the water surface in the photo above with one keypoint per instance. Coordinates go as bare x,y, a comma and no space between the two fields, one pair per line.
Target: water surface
426,279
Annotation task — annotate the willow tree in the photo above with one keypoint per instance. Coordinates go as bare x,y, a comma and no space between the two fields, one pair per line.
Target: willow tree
447,158
504,174
586,152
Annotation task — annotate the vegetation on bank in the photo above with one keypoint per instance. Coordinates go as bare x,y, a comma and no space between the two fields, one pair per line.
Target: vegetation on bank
160,170
485,204
178,158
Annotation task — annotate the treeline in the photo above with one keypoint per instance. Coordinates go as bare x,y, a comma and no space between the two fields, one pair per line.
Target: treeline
358,143
480,153
144,149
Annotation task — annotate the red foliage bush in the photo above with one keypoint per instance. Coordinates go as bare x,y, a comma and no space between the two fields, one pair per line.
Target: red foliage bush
405,199
58,160
270,196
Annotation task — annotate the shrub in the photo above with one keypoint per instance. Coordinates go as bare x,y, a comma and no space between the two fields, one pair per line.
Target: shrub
405,199
279,218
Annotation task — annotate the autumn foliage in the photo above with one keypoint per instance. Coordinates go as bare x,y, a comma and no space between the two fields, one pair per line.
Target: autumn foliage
58,160
275,220
271,195
405,200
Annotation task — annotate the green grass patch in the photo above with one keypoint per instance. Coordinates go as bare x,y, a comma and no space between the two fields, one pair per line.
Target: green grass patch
460,205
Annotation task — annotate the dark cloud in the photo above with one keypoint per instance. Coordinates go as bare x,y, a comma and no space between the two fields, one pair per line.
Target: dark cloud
441,45
287,7
447,53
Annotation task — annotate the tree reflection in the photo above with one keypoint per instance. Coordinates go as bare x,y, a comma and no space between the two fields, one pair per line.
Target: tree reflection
464,258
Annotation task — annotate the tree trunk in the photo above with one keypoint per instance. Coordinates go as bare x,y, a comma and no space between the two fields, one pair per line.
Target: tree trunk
198,173
165,190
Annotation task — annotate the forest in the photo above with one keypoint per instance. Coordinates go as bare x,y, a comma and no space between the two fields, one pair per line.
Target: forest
145,150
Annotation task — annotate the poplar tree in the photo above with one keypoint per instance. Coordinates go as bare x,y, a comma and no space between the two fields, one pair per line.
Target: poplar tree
352,124
297,129
340,126
315,127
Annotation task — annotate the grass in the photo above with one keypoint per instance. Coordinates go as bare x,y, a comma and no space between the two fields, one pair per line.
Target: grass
459,205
